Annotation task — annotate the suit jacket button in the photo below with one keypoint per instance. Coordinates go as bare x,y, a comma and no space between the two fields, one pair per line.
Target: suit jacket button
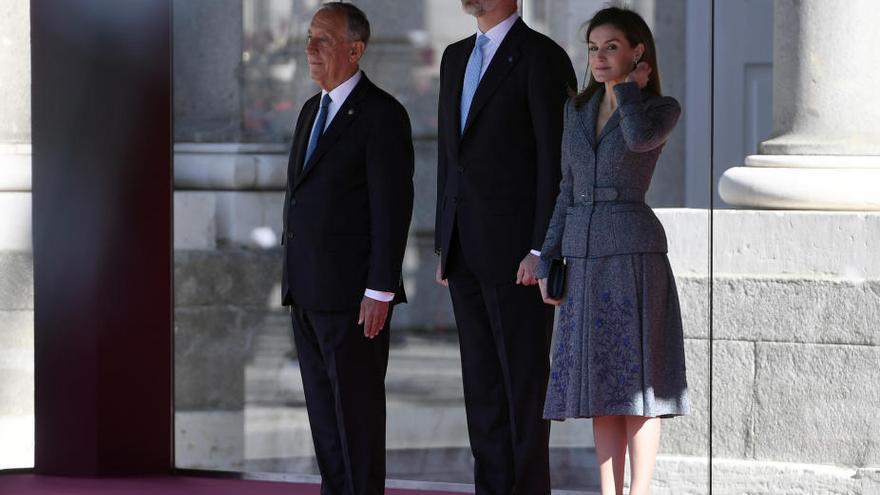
460,169
290,235
293,202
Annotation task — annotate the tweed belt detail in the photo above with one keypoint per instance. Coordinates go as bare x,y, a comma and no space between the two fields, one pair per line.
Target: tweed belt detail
602,194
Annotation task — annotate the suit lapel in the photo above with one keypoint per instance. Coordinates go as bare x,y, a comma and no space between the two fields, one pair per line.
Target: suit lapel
588,118
613,122
346,114
505,58
301,140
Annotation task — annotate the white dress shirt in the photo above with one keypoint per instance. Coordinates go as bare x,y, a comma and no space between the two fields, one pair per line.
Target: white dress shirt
337,97
496,35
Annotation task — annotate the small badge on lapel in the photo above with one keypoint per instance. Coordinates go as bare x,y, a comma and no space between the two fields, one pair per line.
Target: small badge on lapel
351,111
510,59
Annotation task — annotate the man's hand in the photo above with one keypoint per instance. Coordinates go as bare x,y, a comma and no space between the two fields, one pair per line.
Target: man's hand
438,277
526,273
542,283
372,316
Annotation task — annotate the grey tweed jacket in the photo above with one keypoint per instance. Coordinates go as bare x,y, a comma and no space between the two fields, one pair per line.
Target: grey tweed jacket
601,210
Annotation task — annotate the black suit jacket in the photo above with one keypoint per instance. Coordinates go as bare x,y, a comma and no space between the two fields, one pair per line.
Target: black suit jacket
499,180
347,213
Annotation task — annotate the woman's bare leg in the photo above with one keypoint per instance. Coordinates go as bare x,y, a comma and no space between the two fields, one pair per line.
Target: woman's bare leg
643,438
610,436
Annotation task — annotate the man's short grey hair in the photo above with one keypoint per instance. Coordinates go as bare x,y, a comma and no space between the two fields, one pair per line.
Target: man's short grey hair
358,25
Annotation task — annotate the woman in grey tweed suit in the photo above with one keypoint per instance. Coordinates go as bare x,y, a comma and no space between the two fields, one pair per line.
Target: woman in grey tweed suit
620,352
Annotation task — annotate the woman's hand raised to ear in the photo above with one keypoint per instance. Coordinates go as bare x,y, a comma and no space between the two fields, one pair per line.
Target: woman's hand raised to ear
640,75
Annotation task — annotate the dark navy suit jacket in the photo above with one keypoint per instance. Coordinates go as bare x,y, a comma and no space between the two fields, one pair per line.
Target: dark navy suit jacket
347,213
498,181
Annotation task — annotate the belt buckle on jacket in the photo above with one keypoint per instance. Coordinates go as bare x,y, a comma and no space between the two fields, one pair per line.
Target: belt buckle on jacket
587,198
598,194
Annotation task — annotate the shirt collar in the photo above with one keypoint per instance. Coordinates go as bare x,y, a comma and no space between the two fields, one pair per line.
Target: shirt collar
499,31
340,93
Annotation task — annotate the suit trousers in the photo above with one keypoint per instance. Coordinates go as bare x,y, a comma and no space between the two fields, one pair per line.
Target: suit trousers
504,334
343,376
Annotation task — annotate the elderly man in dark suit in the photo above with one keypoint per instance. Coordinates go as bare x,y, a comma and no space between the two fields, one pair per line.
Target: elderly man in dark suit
502,92
346,218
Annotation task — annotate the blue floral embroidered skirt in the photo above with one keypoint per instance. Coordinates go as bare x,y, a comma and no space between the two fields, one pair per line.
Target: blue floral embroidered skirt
619,342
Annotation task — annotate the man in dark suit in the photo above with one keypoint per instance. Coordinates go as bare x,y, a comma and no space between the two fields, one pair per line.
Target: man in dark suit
346,218
500,124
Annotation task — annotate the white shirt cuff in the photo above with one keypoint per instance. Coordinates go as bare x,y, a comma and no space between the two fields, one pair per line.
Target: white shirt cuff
535,252
379,295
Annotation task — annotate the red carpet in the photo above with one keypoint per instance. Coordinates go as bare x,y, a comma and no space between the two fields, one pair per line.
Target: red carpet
28,484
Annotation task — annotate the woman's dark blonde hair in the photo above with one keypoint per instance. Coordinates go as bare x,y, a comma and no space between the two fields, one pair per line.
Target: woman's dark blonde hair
636,31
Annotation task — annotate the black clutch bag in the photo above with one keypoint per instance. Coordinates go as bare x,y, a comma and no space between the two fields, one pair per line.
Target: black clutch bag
556,279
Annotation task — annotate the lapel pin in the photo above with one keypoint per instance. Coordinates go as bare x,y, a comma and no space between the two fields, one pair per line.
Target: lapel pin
510,58
351,111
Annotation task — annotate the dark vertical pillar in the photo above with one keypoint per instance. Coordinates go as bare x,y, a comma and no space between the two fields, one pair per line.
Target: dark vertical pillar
102,213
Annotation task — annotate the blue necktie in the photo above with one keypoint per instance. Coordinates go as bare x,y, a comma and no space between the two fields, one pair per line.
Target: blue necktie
320,121
472,78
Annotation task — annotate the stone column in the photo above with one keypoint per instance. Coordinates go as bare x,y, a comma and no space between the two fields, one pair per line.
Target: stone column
824,153
207,70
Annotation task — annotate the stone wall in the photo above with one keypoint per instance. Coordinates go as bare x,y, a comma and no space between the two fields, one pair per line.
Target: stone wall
16,328
796,301
16,358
